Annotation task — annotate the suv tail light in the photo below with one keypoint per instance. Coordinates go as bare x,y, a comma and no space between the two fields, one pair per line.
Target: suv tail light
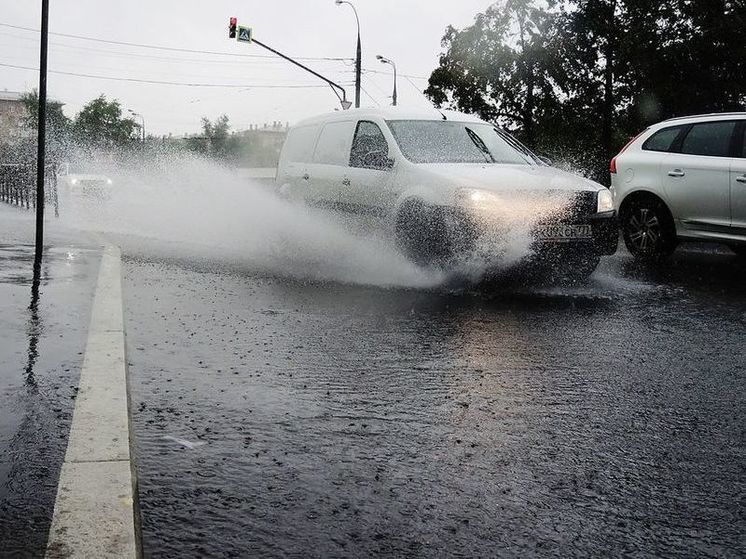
612,165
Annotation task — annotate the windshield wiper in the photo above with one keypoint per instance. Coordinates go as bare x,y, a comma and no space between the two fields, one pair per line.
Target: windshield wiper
481,146
517,145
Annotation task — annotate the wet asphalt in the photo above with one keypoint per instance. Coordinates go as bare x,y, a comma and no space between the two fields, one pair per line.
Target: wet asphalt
43,330
276,418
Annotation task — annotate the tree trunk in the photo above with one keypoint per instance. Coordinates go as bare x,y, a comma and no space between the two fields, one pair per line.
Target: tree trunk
608,107
528,118
608,103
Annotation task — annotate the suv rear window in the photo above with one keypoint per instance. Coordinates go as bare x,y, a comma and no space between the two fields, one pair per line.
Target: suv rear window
709,138
662,140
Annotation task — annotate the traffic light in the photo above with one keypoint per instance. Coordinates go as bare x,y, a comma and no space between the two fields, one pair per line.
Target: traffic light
232,28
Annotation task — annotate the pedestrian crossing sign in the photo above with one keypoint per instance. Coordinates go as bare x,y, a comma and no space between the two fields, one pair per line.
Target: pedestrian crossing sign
244,34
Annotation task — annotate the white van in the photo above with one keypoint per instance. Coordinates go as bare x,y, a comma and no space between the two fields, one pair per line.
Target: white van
437,181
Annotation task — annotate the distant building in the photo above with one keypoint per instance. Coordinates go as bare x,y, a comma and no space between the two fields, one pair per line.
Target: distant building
12,117
268,136
266,143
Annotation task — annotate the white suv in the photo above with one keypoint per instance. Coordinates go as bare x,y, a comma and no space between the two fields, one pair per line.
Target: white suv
683,179
442,184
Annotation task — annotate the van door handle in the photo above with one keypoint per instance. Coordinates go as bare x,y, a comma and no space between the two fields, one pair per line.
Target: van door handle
676,173
306,176
742,179
346,181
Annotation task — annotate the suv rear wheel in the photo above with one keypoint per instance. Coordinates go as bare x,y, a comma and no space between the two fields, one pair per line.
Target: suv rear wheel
648,229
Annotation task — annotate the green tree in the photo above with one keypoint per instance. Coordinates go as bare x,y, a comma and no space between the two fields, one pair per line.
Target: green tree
580,77
100,122
685,57
57,122
500,67
216,139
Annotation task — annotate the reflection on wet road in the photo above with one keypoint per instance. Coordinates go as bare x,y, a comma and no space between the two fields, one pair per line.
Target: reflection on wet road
45,322
275,418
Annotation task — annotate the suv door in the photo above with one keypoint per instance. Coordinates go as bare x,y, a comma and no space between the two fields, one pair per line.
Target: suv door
365,188
696,179
738,184
329,165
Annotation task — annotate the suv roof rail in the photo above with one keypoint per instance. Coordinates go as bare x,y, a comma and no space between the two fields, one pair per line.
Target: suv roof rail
734,113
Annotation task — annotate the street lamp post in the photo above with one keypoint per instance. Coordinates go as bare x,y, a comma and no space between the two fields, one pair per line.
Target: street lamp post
133,113
385,60
41,137
358,58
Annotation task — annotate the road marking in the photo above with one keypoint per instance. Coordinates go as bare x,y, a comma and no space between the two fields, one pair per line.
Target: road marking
94,513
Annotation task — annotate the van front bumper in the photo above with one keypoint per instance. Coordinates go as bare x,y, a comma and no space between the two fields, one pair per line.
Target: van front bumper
471,230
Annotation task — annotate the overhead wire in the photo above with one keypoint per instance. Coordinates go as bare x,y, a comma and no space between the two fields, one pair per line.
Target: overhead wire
123,54
164,48
164,82
370,96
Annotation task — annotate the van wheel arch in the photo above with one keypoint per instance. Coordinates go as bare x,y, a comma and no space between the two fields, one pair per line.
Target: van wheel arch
420,231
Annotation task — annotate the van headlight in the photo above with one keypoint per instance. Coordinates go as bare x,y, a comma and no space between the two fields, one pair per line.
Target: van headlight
605,201
474,198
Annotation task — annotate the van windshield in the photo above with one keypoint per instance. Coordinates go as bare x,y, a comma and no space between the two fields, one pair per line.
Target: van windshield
442,141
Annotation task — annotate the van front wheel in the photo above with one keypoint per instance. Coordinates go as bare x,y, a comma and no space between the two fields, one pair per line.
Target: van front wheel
422,233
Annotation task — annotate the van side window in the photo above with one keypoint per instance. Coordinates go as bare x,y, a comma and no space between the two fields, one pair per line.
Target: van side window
334,144
298,146
709,138
662,140
370,150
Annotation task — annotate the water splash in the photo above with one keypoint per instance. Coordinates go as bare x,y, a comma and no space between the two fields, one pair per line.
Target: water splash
177,204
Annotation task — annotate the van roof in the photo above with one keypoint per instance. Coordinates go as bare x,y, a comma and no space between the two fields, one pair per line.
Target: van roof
390,113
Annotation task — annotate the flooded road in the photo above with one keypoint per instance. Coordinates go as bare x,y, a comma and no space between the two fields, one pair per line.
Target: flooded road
281,418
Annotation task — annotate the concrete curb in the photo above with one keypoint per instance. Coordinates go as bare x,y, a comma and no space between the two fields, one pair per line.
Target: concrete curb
95,509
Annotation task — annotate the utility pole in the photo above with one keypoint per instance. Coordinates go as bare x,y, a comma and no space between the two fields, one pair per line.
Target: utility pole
41,136
359,56
358,69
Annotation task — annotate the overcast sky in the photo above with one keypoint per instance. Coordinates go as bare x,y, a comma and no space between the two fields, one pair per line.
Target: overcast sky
407,31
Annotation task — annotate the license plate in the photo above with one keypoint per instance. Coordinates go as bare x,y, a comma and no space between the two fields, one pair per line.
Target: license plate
563,233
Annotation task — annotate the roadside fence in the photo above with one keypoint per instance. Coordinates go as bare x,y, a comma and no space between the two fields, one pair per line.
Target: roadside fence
18,185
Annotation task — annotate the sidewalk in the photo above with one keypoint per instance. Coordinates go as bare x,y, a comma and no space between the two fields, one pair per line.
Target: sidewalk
43,333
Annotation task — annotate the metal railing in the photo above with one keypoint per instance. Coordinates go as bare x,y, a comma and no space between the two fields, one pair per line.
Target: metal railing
18,186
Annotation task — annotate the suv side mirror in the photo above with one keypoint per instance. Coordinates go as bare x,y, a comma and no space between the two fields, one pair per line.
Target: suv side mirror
545,160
